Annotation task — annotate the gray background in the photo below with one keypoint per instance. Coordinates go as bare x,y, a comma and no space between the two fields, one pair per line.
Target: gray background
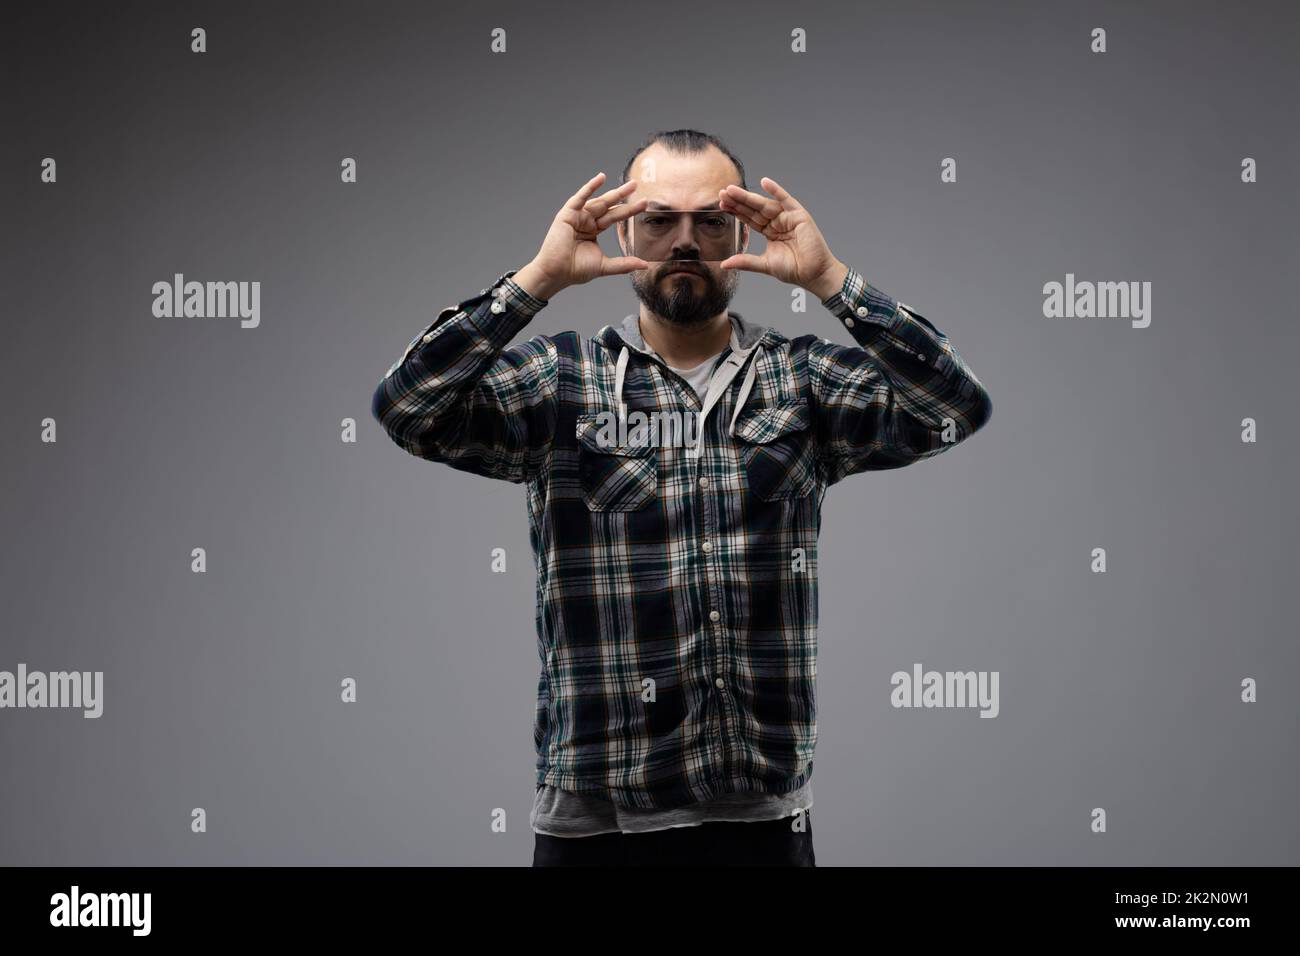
329,560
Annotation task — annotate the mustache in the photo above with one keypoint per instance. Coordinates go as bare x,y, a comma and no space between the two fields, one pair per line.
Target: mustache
686,265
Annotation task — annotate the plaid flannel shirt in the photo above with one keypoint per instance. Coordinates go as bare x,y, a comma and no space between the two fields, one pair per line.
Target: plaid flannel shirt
677,592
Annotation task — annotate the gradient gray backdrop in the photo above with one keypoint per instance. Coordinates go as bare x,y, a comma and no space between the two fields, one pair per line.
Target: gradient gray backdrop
329,560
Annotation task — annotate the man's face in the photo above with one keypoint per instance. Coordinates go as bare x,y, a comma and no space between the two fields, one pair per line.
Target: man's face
684,290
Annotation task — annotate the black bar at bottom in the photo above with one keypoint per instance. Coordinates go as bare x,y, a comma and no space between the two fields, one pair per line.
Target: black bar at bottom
366,904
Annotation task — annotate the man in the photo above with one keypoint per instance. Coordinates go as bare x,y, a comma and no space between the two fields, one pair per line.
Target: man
677,569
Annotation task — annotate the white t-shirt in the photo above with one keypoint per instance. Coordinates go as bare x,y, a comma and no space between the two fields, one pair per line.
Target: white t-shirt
699,375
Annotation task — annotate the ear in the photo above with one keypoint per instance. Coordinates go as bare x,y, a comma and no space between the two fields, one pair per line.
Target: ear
620,229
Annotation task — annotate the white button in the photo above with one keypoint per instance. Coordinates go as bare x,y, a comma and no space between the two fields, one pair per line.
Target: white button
428,338
714,616
720,683
704,482
921,356
498,306
862,311
708,546
848,323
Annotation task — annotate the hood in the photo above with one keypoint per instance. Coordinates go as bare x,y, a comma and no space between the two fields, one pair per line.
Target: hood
747,339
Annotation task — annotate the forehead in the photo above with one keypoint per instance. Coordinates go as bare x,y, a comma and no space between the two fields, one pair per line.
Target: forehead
672,180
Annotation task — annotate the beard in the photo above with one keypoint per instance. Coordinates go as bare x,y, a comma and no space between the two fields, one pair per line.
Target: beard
681,300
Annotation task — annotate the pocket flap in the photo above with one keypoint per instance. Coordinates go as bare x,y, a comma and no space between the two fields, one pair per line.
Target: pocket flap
763,425
599,432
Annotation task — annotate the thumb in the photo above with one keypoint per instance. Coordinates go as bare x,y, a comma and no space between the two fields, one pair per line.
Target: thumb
747,262
621,265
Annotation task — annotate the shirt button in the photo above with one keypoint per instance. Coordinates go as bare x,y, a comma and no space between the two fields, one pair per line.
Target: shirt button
498,306
428,338
708,546
704,482
862,311
848,323
921,356
715,616
719,683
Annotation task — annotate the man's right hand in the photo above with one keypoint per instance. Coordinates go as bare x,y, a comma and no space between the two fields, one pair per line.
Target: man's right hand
570,254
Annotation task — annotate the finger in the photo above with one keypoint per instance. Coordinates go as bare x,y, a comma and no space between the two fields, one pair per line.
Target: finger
578,199
598,205
745,214
746,263
768,206
621,212
776,189
622,265
764,212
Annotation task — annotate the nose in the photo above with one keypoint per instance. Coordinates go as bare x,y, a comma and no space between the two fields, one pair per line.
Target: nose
684,237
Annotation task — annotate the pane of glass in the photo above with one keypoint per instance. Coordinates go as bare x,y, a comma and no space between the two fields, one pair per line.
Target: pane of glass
658,235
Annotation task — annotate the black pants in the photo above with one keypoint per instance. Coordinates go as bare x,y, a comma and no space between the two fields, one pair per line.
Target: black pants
763,843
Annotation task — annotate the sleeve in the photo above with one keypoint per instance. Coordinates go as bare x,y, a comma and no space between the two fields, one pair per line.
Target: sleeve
902,394
459,396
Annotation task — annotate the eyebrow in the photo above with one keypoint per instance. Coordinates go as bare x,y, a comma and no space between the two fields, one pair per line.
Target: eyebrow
659,205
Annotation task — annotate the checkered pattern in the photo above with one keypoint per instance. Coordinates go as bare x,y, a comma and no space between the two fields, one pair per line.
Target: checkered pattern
698,574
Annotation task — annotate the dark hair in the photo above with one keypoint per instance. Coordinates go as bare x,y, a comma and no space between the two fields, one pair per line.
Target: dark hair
685,141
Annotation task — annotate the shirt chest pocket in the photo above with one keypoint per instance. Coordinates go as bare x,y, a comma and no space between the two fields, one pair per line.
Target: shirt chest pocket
778,458
615,477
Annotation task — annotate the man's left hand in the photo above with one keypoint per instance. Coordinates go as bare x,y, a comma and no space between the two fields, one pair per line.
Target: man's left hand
796,251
